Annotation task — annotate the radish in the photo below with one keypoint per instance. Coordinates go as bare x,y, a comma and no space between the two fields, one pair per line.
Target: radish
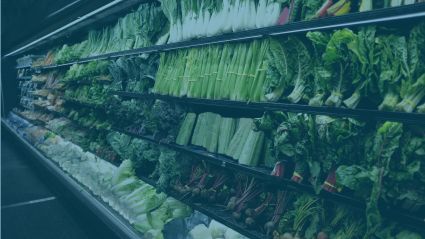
231,204
250,222
249,212
269,227
237,215
281,203
195,192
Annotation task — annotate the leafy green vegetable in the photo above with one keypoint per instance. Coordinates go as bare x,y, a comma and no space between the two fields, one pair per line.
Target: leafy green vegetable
393,68
226,132
279,72
320,73
364,60
412,87
172,166
206,133
413,95
237,143
141,28
421,108
185,132
405,177
367,180
120,143
302,77
211,138
252,148
337,60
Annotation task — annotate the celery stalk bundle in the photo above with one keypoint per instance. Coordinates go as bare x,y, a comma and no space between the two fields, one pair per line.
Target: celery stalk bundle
230,71
233,137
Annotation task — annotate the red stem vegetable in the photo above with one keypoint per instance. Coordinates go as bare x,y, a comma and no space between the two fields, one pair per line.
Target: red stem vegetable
330,182
281,203
252,214
278,170
323,9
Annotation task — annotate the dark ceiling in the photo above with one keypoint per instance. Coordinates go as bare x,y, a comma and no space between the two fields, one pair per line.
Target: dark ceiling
23,21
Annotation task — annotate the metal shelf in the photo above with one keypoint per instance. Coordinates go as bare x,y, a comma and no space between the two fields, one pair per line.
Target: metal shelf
260,107
214,212
384,15
118,224
399,215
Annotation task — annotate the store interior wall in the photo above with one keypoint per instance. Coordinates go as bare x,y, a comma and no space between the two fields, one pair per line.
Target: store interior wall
26,20
9,85
23,21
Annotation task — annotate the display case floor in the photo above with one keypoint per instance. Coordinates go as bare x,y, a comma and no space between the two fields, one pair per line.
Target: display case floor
32,206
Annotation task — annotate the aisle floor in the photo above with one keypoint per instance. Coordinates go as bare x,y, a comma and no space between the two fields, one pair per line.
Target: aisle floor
31,208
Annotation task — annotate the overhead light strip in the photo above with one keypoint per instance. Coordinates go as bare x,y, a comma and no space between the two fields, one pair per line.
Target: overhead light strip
63,9
111,4
347,24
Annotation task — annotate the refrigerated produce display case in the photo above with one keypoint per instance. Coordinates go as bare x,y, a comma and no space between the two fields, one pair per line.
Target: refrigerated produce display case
234,119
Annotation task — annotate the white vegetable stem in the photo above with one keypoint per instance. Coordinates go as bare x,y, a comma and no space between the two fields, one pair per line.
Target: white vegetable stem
194,19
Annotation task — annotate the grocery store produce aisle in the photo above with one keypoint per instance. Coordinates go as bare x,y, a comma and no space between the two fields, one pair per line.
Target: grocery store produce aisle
33,207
